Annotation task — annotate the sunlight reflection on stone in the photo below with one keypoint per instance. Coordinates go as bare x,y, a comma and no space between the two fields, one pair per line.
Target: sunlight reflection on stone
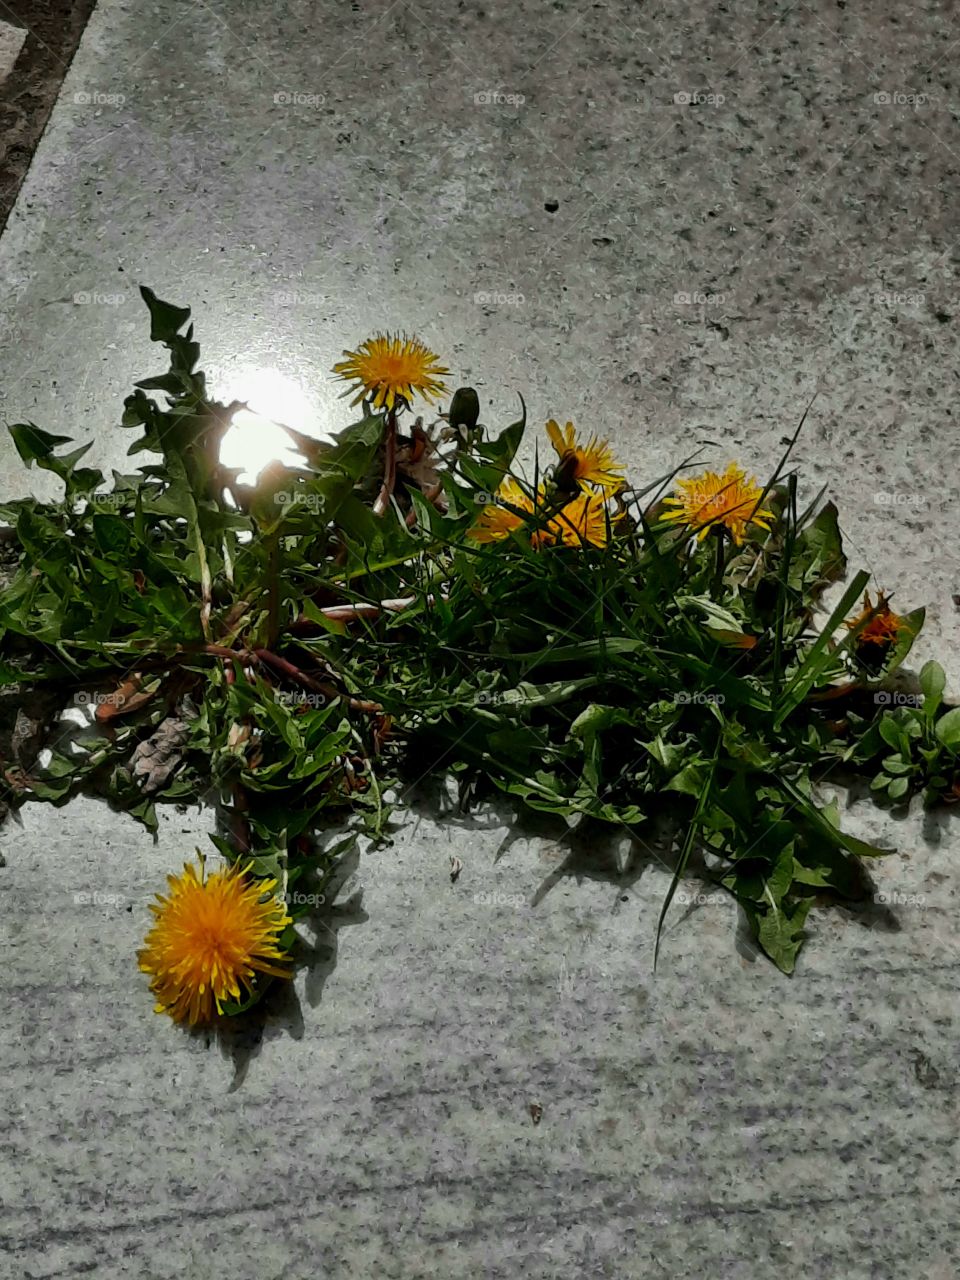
255,438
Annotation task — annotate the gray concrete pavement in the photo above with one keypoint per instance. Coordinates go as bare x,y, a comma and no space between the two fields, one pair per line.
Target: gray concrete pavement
302,174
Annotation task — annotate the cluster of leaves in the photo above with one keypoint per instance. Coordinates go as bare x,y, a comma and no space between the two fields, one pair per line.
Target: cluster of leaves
612,684
918,740
166,605
288,649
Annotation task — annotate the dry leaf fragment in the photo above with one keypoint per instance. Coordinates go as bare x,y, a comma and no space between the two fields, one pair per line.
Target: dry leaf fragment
129,696
238,735
157,758
417,460
382,725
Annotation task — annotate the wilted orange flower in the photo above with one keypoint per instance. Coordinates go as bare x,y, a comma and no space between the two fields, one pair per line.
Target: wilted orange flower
882,629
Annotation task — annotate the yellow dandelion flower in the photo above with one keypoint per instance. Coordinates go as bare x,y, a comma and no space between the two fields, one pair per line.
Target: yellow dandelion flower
591,463
883,628
208,939
582,520
388,369
728,501
497,520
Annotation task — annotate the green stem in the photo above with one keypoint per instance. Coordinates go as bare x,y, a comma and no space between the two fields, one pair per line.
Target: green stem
720,564
273,590
783,584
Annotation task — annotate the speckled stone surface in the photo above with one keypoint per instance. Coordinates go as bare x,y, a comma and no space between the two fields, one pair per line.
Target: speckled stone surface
11,42
37,40
670,224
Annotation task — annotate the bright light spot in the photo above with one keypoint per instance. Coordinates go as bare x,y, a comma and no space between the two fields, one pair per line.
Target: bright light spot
255,439
252,443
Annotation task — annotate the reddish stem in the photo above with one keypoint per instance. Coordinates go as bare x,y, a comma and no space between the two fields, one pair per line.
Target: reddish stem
288,669
389,465
317,686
